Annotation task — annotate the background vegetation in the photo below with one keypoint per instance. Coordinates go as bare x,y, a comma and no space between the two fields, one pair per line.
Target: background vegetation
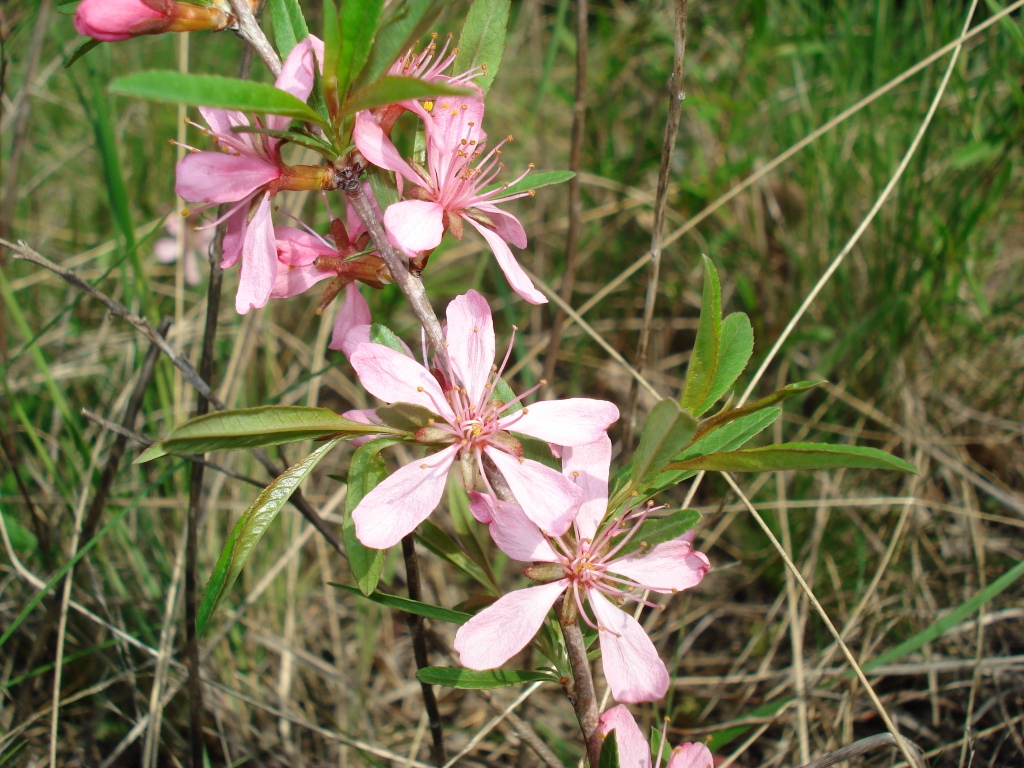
919,333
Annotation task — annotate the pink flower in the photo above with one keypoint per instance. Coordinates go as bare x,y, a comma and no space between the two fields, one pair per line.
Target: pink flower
634,751
591,569
471,426
114,20
249,172
197,245
449,192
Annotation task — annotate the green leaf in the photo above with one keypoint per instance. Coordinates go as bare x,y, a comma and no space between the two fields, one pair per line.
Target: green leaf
532,181
389,90
250,529
411,606
473,680
733,414
471,534
81,50
302,139
332,50
403,23
737,344
383,185
407,417
609,752
213,91
661,529
667,431
358,20
442,545
707,346
786,456
365,472
482,41
289,25
381,334
503,392
252,427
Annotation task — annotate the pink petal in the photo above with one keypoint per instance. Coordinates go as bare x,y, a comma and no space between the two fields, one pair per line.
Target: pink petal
548,499
668,567
576,421
514,533
514,273
221,121
363,416
588,466
378,149
297,71
452,120
500,631
354,313
691,755
166,250
634,671
403,500
259,261
414,225
234,237
299,248
114,20
292,281
633,749
505,224
470,343
395,378
215,177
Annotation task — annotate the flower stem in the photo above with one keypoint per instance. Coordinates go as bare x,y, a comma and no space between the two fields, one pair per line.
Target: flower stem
583,695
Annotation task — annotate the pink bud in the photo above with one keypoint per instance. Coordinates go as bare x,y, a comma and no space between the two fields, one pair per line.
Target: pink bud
113,20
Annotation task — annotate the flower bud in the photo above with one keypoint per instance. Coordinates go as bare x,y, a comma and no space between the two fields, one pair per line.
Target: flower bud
113,20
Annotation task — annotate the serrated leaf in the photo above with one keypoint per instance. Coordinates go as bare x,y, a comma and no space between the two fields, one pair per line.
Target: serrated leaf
252,427
667,431
442,545
475,680
787,456
407,417
358,20
410,606
706,348
733,414
365,471
289,25
737,344
213,91
661,529
391,90
250,529
482,41
532,181
609,751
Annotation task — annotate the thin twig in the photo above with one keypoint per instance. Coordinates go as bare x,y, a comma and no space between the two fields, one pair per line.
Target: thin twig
582,694
572,237
859,748
675,111
250,31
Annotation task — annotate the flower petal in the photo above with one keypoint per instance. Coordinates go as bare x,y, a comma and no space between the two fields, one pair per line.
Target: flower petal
499,632
234,237
588,466
668,567
292,281
470,343
505,224
514,273
395,378
215,177
299,248
546,497
691,755
221,121
297,75
515,534
633,749
634,671
575,421
414,225
259,261
453,121
378,149
354,313
403,500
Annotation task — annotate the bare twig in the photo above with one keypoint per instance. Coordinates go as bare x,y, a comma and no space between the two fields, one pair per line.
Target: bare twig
572,237
250,31
675,111
860,747
582,694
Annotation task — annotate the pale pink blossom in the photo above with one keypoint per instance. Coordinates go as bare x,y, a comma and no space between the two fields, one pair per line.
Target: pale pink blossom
114,20
197,246
592,573
449,192
471,424
248,172
634,751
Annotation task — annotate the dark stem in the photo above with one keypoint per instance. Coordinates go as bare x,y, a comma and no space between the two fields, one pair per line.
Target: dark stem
419,645
579,113
583,695
410,284
675,110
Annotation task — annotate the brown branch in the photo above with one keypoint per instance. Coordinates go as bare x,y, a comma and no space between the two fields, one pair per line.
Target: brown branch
250,31
583,695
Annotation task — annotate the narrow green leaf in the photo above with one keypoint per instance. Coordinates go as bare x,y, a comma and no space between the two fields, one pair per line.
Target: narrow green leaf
532,181
737,344
302,139
471,534
503,392
707,346
389,90
252,427
358,20
785,456
381,334
383,185
609,752
407,417
250,529
365,472
410,606
81,50
474,680
667,431
661,529
403,23
442,545
213,91
332,50
289,25
733,414
482,41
